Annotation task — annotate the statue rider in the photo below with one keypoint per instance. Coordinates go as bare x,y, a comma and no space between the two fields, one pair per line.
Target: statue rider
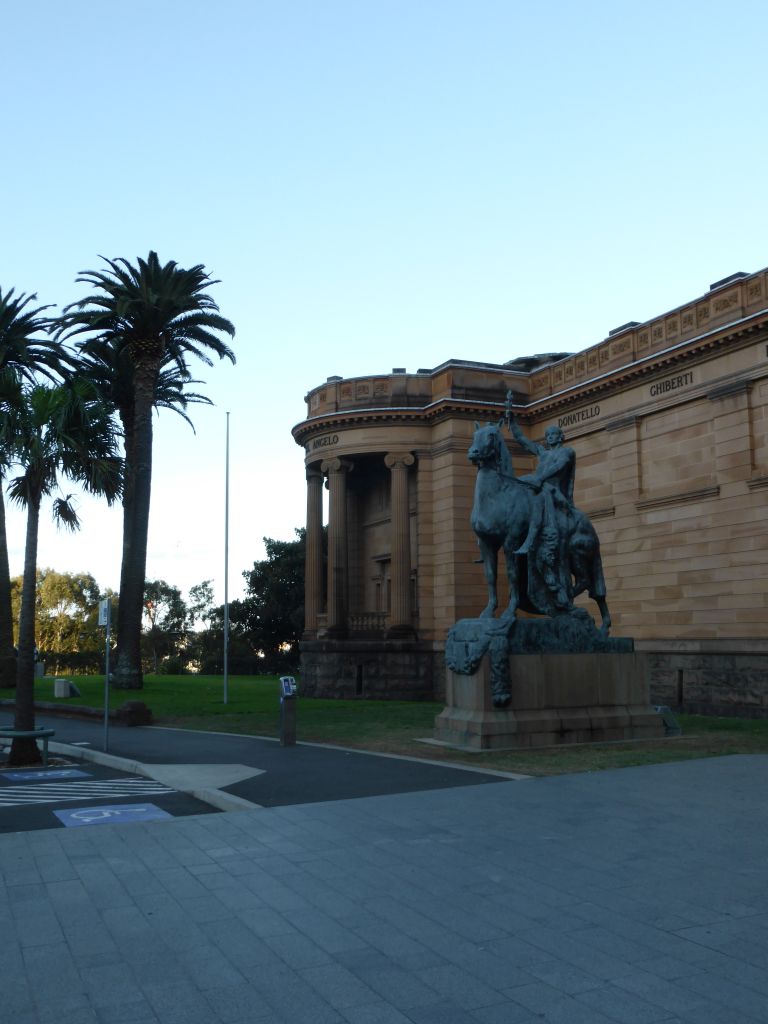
552,483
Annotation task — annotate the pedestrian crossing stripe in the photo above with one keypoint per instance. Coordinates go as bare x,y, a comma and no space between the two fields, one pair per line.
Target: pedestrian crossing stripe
97,789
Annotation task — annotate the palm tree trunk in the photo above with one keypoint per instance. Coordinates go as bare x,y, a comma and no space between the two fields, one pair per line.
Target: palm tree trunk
24,751
138,487
7,653
127,673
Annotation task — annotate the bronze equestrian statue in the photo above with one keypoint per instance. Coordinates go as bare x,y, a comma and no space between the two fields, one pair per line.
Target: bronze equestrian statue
551,549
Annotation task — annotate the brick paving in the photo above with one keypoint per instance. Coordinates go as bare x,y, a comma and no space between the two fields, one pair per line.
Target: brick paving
635,897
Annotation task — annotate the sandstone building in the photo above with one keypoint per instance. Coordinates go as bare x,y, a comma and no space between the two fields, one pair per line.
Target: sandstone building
668,420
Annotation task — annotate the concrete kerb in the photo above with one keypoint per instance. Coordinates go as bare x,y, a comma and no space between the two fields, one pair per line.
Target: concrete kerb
217,798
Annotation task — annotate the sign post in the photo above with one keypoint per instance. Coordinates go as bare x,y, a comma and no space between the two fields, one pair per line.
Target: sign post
288,692
226,568
105,619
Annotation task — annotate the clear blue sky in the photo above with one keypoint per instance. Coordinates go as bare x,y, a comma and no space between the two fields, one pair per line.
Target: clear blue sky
376,184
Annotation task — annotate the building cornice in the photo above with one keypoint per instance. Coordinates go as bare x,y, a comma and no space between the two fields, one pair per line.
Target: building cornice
611,381
443,408
655,363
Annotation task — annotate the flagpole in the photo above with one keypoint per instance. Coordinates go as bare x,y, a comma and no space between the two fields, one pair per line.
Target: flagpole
226,569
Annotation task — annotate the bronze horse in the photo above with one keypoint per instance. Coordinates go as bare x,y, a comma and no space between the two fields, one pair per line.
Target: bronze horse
501,517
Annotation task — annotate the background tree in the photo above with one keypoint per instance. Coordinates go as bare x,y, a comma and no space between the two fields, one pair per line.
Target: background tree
200,603
271,616
138,320
204,651
24,352
68,635
204,648
65,601
166,622
63,431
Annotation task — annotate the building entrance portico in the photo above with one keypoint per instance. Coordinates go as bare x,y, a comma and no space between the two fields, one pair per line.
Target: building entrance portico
368,584
366,592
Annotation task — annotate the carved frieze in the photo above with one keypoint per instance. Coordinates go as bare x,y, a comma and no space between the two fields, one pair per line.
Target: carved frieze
725,302
622,347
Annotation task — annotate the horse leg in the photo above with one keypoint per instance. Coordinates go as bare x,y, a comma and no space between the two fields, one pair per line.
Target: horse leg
596,590
489,553
510,556
605,615
587,568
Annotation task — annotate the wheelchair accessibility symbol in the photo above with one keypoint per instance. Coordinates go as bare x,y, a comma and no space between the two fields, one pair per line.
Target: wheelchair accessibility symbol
45,775
115,814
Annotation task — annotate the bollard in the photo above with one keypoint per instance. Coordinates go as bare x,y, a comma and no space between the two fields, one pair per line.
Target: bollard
288,691
671,724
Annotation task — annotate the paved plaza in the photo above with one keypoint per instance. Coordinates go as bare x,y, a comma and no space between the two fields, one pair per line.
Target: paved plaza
630,896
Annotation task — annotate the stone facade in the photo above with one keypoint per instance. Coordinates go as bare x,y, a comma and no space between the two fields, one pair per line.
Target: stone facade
668,420
387,669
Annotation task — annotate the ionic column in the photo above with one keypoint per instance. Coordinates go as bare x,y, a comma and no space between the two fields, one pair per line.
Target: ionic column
337,470
400,624
313,565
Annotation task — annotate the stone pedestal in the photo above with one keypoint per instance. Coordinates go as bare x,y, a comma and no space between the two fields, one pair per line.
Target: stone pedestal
371,669
556,699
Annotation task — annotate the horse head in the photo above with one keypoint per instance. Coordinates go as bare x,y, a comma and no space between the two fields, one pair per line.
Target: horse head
487,445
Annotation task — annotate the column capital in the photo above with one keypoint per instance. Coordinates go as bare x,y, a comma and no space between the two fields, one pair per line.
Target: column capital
314,472
392,459
336,465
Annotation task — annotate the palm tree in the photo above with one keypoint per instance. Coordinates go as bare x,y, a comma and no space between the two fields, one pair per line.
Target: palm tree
20,344
63,431
141,320
112,373
10,392
22,353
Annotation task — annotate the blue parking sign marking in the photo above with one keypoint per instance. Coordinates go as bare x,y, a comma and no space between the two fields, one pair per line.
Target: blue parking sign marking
48,773
113,814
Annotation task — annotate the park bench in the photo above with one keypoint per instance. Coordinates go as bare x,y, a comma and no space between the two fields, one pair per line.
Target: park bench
9,733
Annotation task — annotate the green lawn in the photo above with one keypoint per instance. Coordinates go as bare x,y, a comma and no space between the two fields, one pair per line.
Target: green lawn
253,706
397,727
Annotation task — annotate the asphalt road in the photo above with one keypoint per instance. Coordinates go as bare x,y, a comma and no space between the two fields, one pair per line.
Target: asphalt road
300,774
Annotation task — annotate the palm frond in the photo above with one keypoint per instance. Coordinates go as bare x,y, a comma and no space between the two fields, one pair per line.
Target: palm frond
22,344
149,302
64,513
63,432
